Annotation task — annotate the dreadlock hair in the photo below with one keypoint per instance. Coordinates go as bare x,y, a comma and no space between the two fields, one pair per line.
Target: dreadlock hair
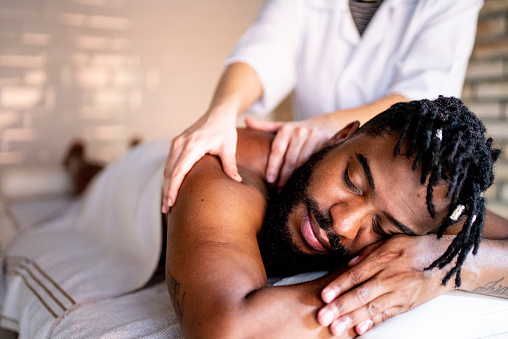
450,146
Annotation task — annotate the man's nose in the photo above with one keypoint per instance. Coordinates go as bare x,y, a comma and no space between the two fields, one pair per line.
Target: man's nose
350,218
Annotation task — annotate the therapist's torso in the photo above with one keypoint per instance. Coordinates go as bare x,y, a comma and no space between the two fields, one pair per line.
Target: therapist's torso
418,48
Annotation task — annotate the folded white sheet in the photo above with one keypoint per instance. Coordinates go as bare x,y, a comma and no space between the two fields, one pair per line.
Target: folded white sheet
144,314
105,245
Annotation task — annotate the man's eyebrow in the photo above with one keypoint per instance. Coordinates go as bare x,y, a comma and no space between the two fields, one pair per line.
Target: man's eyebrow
366,168
401,226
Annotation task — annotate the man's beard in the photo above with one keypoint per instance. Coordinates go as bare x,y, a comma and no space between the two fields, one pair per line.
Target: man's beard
280,255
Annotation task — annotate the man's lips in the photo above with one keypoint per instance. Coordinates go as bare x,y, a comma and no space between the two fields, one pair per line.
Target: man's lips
309,234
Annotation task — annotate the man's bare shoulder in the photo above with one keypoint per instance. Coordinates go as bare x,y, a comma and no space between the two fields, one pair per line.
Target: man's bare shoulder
253,148
207,179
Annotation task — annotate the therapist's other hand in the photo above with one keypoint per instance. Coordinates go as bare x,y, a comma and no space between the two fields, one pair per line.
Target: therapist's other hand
386,279
293,144
211,134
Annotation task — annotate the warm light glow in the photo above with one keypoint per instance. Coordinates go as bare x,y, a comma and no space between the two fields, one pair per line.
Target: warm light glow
73,19
88,42
35,77
97,3
153,78
11,158
106,132
18,134
8,118
109,59
97,113
35,39
108,22
23,61
109,97
19,97
92,77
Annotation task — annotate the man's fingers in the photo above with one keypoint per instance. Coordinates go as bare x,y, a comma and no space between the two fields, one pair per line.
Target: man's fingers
355,299
364,253
356,275
268,126
370,310
387,314
365,326
345,282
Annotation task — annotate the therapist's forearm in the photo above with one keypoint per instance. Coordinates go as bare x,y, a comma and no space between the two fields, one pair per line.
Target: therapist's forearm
340,118
238,88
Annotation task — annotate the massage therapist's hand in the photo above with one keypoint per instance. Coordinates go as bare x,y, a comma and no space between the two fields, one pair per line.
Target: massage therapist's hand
214,133
294,142
386,279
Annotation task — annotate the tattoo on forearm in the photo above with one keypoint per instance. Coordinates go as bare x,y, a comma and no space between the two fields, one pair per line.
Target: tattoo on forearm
177,295
494,288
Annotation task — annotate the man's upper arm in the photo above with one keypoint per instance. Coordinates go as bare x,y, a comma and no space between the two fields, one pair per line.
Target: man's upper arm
495,227
212,245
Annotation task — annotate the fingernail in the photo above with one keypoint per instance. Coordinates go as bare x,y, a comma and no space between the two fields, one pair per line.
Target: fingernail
270,178
338,327
326,317
164,209
170,202
328,295
364,326
354,261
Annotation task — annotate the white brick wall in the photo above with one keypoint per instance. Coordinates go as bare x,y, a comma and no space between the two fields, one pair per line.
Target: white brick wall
107,70
65,71
486,89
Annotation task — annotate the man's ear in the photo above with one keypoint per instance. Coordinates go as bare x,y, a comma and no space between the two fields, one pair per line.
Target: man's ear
344,133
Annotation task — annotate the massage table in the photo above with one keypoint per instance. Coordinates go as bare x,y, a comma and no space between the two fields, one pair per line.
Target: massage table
56,281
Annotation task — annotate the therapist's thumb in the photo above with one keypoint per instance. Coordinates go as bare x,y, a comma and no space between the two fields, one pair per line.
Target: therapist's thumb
228,160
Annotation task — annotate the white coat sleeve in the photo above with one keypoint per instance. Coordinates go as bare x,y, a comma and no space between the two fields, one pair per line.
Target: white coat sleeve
437,59
270,46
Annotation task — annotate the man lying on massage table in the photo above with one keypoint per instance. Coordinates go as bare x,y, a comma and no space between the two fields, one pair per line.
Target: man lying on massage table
399,188
398,200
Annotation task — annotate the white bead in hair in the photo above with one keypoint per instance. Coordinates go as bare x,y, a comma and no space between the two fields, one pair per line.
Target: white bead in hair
473,219
457,212
439,134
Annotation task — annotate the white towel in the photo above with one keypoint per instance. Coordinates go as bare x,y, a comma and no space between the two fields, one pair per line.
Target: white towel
144,314
105,245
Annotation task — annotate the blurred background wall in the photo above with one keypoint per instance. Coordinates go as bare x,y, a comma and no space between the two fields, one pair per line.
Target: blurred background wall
106,70
486,89
109,70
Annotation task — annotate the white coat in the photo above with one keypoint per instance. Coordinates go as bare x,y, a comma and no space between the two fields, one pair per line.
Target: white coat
417,48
